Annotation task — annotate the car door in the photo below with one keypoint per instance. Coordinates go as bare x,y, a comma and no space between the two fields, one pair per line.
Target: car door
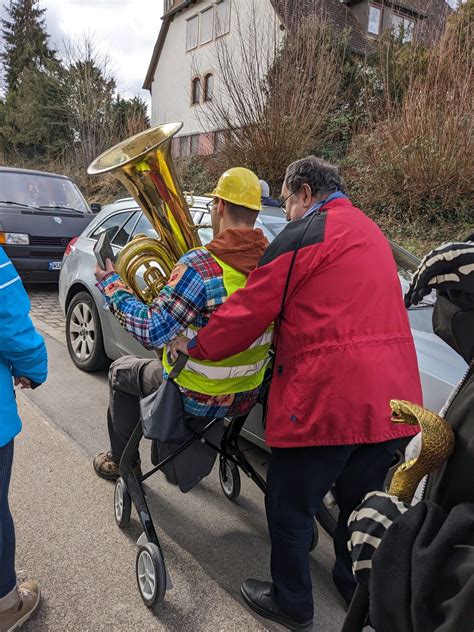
124,342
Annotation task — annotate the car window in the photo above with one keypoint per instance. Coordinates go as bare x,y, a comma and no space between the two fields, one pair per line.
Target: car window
144,227
203,218
124,233
40,190
111,225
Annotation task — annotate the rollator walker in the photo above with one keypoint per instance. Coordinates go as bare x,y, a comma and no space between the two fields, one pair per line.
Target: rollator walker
151,573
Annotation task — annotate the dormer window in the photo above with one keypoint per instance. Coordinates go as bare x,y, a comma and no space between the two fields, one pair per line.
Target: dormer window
375,19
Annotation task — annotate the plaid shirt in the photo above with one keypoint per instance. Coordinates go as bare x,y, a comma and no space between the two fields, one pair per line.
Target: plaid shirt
194,290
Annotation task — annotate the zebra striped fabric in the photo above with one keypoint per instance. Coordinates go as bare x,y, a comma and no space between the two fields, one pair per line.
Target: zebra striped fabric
448,267
367,526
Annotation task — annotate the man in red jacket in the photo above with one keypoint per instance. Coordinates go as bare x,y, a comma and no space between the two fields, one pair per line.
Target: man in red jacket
343,349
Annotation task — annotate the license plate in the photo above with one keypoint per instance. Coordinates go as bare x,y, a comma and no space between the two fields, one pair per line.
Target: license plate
54,265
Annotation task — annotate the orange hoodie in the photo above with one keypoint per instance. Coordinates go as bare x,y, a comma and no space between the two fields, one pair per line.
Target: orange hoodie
240,248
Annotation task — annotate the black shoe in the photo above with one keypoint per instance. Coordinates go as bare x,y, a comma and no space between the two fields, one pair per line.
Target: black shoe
259,596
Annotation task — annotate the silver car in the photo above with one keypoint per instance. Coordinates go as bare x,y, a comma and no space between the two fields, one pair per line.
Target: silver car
94,336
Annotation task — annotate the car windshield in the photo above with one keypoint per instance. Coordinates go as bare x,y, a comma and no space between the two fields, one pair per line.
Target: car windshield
40,191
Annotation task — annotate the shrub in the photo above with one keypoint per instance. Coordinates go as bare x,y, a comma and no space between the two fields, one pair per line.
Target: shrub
417,163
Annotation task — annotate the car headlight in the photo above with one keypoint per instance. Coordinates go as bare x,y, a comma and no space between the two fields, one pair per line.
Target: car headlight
15,239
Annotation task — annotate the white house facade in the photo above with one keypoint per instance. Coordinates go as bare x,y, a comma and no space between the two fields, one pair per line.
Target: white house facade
185,77
183,74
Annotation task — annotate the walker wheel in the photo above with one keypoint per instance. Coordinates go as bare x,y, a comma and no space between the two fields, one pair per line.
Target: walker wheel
122,504
151,574
229,477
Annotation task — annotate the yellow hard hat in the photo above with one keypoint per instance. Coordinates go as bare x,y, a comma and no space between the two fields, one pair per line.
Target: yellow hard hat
240,186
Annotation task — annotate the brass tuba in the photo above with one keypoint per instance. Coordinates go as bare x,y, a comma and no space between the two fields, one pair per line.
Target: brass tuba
144,165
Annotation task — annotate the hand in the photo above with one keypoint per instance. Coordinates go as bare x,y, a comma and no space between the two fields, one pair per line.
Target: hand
177,345
24,382
101,274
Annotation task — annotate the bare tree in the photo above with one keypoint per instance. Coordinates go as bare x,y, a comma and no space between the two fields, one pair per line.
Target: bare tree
272,106
91,90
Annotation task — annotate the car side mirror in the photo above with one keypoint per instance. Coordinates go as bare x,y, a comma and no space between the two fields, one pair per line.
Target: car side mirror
96,207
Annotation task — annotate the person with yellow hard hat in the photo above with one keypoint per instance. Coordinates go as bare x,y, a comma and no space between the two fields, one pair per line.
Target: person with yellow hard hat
199,284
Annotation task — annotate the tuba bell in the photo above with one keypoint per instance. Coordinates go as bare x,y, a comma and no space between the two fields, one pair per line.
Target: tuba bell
144,165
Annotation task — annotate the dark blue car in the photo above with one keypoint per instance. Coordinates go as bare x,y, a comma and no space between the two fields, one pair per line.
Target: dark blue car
39,214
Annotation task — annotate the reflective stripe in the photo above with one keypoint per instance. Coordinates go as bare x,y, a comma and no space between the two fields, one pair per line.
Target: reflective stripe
214,372
202,384
4,265
9,282
265,339
241,372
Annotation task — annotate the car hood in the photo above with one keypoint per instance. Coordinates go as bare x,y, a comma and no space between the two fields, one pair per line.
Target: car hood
44,223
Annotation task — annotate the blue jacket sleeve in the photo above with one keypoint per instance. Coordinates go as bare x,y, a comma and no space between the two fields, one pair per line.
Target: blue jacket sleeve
21,346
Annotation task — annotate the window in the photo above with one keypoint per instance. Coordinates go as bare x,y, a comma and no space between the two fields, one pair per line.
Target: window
194,144
111,225
208,86
375,13
402,27
144,227
192,29
207,24
222,18
124,233
33,189
168,5
205,232
195,91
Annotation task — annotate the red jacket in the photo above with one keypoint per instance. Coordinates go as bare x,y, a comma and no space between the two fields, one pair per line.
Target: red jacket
344,347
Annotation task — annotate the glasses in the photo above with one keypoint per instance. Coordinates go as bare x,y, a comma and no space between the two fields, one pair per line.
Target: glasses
283,202
210,204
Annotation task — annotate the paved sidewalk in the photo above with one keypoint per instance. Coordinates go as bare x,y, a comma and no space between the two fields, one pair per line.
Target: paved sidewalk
67,539
46,311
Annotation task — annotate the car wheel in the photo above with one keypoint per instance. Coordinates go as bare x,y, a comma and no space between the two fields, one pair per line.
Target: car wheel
84,333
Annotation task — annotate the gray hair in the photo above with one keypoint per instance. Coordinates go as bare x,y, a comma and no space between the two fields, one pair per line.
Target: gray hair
321,176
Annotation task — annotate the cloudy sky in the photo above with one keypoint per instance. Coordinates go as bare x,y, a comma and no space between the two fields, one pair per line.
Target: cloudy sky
125,30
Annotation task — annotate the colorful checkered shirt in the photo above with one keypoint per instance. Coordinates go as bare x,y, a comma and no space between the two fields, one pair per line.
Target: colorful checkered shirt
194,290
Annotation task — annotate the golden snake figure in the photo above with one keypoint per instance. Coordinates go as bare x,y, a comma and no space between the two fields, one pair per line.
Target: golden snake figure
437,443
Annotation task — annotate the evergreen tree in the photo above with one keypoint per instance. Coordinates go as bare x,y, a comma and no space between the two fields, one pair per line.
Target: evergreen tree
25,41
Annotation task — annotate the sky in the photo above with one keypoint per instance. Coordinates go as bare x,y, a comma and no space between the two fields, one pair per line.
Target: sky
124,30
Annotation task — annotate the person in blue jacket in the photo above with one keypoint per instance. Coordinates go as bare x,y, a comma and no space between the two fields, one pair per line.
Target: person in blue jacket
23,361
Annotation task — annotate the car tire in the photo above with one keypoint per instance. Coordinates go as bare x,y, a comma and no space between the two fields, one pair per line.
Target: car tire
84,333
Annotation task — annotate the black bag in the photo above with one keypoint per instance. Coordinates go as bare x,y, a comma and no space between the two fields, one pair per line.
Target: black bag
162,412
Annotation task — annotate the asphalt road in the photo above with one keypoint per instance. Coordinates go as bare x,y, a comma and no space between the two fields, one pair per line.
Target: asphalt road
210,544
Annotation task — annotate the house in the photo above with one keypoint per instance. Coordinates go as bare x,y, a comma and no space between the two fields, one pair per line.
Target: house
183,74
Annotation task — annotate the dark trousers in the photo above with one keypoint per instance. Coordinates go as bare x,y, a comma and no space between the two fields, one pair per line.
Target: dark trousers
298,479
7,531
130,379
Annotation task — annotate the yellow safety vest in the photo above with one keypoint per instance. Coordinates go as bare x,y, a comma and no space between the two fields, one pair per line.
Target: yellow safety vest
241,372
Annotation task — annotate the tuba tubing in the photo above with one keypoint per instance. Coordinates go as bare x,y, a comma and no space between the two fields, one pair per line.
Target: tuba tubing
143,163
